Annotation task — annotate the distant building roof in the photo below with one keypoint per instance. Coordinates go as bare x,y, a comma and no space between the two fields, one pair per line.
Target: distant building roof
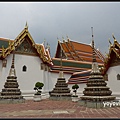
76,60
79,77
77,51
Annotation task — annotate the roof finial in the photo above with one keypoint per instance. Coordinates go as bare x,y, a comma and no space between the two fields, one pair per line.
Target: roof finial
26,25
67,36
63,39
57,38
113,37
94,59
110,41
44,42
48,46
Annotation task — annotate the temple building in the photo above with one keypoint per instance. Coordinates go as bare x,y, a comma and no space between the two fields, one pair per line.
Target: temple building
76,61
33,62
112,67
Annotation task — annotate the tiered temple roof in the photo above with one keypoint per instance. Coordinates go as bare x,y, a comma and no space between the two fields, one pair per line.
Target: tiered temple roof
77,51
7,46
113,56
77,60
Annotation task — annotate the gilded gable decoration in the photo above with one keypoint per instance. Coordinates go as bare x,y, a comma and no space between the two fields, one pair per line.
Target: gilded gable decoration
25,43
113,57
25,47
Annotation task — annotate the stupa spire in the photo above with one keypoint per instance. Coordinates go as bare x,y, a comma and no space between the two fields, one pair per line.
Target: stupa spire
61,75
11,90
96,91
94,58
12,69
95,68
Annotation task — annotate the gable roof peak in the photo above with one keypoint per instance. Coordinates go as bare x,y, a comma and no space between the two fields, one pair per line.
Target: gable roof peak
26,25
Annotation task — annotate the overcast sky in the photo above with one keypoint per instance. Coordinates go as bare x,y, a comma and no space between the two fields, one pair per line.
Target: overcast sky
49,20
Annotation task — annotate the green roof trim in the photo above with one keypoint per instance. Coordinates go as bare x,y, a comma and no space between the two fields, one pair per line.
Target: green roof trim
4,43
72,64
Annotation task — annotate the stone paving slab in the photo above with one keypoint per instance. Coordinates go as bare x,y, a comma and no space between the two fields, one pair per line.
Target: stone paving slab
55,109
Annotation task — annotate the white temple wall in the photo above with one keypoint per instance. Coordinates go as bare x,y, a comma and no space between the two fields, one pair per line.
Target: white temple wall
26,80
112,82
46,81
33,74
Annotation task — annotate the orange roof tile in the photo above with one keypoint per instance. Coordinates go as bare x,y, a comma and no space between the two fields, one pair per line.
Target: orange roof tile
82,47
64,47
79,51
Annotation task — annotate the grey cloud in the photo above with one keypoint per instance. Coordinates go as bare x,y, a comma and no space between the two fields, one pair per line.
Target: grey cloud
50,20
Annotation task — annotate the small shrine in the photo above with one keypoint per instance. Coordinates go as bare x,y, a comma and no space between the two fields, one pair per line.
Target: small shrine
11,93
61,90
96,91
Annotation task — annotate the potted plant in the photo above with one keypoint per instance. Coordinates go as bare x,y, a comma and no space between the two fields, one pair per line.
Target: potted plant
37,88
75,96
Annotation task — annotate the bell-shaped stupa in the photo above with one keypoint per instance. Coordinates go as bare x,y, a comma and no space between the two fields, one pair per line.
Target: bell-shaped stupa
96,91
61,90
11,93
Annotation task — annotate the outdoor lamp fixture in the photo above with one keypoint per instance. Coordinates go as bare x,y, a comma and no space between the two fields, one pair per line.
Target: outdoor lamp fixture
4,62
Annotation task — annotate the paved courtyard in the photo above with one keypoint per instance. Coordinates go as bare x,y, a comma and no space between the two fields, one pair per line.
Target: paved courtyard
55,109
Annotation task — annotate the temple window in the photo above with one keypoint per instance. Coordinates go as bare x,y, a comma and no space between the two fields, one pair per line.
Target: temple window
24,68
46,68
118,76
42,66
49,69
4,63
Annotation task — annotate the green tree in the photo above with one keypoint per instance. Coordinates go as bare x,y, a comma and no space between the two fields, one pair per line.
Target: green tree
75,87
38,87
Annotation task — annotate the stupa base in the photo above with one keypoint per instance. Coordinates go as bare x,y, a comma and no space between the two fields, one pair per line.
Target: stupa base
12,101
91,104
96,102
60,97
